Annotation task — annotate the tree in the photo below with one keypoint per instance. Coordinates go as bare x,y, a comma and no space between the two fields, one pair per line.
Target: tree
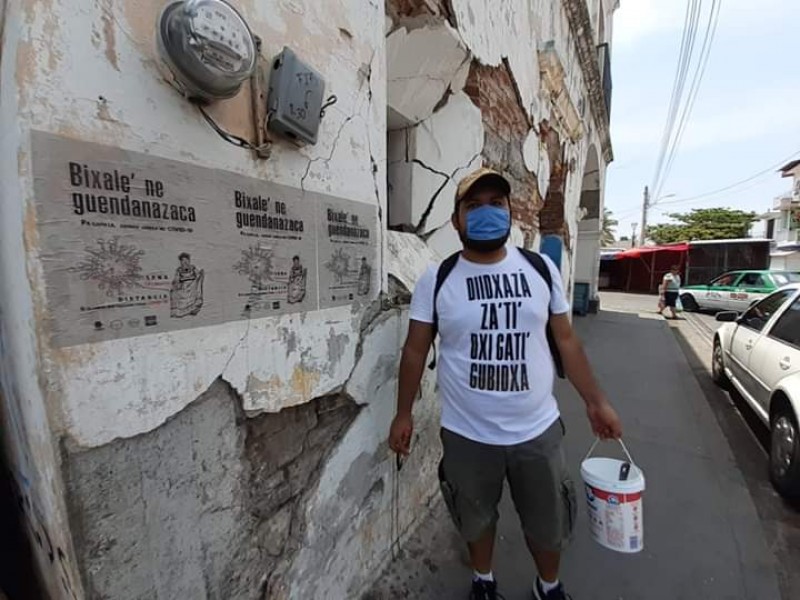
607,235
703,224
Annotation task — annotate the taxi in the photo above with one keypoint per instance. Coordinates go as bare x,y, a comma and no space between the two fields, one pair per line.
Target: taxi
735,290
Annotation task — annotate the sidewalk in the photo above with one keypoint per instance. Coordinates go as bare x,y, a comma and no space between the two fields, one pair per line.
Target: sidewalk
703,539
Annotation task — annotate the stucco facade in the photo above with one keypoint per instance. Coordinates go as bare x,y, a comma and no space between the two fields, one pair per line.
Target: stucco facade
247,458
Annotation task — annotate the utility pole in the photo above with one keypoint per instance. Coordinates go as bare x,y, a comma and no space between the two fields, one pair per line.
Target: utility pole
633,235
645,206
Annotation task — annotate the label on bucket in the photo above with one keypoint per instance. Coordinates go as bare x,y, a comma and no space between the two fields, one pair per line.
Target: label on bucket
616,519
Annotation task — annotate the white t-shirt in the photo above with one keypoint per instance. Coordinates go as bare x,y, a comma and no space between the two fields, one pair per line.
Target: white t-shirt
672,283
495,368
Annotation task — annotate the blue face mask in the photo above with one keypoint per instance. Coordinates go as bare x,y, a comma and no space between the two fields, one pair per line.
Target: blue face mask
488,228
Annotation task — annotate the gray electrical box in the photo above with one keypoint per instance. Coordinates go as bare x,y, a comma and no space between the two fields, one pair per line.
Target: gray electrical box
295,96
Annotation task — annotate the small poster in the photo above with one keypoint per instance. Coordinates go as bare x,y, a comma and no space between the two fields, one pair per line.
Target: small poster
275,266
348,257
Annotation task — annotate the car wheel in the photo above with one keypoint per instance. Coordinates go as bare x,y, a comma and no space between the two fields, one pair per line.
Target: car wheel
784,455
718,366
689,303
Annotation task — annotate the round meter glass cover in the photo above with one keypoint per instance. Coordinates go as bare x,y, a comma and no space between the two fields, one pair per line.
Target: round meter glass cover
221,36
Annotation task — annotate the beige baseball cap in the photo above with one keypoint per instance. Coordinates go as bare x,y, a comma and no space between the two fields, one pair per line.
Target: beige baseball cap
482,174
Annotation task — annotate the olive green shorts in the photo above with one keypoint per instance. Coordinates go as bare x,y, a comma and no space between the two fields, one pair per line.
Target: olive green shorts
472,475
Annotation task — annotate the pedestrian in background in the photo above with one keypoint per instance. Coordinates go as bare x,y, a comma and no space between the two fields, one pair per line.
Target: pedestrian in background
670,290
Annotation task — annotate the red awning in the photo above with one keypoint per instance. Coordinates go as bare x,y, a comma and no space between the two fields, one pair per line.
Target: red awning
638,252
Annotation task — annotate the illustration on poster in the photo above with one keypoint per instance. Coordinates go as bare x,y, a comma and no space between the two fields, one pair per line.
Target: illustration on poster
297,282
359,277
339,265
186,293
256,264
113,266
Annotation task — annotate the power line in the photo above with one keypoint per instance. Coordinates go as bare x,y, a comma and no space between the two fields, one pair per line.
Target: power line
705,53
715,202
626,212
681,70
768,170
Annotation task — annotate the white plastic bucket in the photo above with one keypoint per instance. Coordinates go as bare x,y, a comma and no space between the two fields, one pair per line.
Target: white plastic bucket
615,505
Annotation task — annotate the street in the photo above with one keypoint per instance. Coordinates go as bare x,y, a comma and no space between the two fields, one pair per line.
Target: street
747,435
749,440
714,529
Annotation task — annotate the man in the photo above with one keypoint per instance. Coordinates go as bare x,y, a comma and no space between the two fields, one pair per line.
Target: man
500,419
670,290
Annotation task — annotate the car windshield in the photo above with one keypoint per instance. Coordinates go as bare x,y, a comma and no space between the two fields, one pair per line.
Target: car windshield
785,278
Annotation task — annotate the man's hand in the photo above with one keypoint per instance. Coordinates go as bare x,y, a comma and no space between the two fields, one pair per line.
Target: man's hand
400,434
604,419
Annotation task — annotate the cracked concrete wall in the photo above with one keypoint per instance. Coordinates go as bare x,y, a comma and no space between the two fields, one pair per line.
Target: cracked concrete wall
349,541
451,138
345,44
87,70
210,505
518,106
30,448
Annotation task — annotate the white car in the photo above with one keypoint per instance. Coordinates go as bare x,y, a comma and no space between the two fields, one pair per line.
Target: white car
759,354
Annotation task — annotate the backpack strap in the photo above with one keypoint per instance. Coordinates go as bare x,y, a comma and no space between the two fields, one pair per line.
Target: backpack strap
538,263
445,267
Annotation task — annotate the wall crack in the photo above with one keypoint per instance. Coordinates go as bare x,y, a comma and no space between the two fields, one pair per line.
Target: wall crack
356,113
424,218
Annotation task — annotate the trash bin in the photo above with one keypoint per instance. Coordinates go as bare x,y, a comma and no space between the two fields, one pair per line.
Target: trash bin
580,299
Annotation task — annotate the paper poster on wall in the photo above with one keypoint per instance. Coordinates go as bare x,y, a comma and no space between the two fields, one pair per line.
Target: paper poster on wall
134,244
275,263
348,257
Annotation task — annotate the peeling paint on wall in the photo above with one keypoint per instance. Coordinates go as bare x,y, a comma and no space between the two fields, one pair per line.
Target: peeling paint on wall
141,506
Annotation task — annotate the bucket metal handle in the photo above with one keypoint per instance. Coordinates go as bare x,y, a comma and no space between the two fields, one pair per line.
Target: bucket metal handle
621,443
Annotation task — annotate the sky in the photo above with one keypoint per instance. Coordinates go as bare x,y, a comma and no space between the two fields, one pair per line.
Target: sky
745,120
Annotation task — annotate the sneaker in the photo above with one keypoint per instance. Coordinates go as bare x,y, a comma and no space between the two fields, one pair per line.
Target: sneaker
557,593
484,590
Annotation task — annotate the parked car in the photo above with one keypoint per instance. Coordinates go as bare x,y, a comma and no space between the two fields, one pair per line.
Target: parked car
758,353
735,290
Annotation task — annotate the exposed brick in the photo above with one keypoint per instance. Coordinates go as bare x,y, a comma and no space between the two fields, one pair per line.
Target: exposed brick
416,8
493,90
551,217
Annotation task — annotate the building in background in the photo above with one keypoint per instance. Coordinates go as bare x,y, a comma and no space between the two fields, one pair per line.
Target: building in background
201,317
782,223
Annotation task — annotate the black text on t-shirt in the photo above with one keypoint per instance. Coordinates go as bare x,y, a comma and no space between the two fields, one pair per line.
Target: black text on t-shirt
498,353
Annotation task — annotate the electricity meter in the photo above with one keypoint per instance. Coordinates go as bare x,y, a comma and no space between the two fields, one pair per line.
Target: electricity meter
207,47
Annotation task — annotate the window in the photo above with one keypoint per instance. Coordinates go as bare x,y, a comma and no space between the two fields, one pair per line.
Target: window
726,280
787,329
786,278
759,314
755,280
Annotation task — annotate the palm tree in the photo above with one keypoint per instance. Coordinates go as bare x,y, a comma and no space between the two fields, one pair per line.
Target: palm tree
607,234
